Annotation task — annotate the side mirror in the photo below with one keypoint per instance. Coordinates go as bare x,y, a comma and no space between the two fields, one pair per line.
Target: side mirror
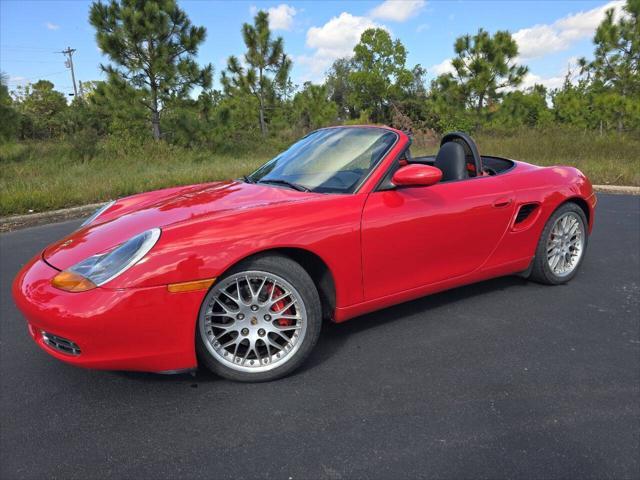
417,176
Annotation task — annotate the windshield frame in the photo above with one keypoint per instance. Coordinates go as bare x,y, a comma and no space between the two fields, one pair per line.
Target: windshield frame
363,180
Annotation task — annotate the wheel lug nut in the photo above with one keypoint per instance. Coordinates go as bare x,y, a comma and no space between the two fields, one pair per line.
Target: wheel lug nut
240,316
267,317
261,332
254,308
245,331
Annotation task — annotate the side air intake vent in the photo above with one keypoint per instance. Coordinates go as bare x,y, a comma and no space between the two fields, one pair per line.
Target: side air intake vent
524,212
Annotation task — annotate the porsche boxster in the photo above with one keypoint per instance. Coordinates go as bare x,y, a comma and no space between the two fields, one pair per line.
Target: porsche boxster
238,276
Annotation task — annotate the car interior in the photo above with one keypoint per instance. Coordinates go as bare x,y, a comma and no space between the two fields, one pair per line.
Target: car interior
458,158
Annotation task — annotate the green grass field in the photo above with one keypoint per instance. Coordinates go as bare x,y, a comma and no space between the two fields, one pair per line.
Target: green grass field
40,176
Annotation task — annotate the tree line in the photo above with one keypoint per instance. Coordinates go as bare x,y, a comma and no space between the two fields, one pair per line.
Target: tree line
152,75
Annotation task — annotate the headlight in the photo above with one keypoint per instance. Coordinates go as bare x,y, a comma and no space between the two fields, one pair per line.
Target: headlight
97,213
99,269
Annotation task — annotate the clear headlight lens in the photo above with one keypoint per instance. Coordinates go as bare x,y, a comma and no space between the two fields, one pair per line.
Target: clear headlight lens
99,269
97,213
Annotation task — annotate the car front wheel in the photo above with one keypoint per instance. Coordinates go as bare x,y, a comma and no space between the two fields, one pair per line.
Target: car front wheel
260,321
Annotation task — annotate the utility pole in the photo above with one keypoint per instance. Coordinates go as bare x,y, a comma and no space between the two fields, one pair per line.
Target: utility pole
69,64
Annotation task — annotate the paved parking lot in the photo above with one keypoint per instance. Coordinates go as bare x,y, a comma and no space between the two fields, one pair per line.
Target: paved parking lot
501,379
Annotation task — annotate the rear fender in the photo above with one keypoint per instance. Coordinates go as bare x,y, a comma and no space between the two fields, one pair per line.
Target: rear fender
548,188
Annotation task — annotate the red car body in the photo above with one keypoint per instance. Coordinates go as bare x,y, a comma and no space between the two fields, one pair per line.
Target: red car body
372,249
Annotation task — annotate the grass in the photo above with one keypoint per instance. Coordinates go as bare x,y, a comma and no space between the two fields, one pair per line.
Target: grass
609,159
39,176
42,176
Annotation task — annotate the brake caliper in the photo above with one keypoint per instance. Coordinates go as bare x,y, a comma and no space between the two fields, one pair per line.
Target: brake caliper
279,305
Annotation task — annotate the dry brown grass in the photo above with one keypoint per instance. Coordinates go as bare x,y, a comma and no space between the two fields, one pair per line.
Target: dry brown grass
39,176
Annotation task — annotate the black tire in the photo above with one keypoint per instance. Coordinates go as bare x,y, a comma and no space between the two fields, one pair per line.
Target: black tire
298,277
541,271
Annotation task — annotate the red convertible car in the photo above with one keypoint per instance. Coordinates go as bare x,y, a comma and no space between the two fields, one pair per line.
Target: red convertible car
238,276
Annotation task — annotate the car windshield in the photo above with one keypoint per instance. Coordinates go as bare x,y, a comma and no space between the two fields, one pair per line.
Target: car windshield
332,160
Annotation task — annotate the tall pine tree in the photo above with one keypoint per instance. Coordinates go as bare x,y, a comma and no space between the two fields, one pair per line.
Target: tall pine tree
484,65
617,55
267,68
152,45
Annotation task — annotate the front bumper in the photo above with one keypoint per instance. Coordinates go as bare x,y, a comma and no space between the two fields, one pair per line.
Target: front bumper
143,329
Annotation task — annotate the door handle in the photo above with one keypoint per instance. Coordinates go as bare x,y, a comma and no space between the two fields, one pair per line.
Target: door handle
502,202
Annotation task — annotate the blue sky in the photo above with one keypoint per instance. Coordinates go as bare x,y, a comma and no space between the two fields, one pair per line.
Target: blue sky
550,34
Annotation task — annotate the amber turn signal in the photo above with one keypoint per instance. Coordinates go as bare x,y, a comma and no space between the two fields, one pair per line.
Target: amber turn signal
72,282
190,286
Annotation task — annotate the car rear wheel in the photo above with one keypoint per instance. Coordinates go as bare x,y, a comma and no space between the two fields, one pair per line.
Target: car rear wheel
260,321
561,246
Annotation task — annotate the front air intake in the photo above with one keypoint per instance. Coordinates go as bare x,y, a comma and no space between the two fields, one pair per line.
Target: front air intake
61,344
524,212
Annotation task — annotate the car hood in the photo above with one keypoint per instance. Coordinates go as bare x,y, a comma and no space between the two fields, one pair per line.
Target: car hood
136,214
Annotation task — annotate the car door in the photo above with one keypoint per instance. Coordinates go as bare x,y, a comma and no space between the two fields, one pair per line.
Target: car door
416,236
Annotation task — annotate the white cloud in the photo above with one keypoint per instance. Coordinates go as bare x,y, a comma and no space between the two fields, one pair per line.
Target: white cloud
529,80
338,36
442,67
544,39
570,69
532,79
422,27
52,26
335,39
397,10
281,17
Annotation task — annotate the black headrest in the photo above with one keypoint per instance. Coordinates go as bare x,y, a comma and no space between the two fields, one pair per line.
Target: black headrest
451,159
470,148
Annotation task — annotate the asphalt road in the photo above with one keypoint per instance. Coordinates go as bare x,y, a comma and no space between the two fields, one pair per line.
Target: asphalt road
501,379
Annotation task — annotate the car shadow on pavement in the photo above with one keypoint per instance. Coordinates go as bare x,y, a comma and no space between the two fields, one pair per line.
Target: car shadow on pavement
334,336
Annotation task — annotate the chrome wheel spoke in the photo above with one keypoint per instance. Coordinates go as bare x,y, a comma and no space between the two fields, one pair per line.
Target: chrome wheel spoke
264,281
224,307
286,328
273,344
236,299
573,229
286,307
282,336
230,342
251,292
280,298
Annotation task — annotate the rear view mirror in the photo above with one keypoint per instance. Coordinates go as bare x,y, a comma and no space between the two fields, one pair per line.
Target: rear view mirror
416,175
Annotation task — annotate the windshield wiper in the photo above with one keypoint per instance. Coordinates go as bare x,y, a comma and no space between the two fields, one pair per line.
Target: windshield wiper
246,179
277,181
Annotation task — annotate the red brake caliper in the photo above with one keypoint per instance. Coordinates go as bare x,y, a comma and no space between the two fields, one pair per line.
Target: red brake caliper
279,305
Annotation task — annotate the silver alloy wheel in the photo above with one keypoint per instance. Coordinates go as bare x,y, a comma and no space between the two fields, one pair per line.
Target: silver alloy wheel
253,321
565,245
